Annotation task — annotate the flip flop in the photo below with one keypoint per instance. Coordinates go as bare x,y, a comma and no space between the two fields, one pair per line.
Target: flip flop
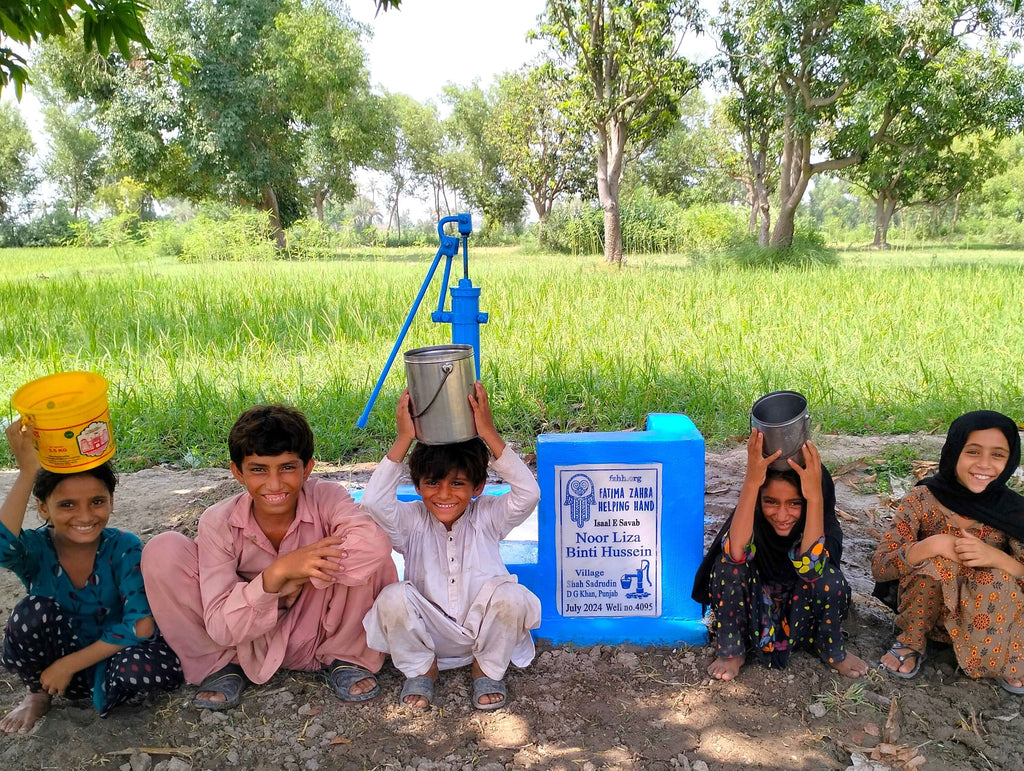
1014,689
417,686
341,675
229,680
902,658
484,685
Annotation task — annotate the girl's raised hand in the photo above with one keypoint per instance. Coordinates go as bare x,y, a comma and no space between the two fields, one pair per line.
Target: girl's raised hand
19,437
810,472
757,464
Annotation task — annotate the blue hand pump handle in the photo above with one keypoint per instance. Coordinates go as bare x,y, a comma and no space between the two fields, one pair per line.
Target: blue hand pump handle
464,317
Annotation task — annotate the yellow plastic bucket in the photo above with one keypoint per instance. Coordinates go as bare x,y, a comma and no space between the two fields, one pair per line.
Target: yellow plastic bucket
70,420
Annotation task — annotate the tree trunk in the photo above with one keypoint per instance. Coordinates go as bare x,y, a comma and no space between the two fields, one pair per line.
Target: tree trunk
956,214
318,202
785,226
610,146
885,207
270,206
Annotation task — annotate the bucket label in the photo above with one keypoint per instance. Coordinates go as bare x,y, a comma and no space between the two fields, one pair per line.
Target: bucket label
94,439
608,539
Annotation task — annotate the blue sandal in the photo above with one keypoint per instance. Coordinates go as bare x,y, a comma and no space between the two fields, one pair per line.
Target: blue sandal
230,681
342,675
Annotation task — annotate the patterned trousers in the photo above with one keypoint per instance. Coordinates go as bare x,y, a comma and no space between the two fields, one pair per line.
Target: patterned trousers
39,632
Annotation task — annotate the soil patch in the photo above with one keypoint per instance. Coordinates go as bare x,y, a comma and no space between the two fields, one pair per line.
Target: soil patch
598,707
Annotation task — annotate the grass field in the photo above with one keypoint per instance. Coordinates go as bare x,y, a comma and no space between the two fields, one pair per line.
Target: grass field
886,342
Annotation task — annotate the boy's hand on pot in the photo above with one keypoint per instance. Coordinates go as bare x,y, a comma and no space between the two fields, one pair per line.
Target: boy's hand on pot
481,407
403,417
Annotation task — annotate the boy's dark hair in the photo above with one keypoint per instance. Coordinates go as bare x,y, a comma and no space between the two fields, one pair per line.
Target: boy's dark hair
436,461
270,429
47,481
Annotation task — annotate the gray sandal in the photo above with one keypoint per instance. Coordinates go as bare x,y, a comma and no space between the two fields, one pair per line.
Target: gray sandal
342,676
417,686
485,685
230,681
901,658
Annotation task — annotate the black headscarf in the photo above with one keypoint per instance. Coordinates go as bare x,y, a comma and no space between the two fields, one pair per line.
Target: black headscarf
996,505
772,554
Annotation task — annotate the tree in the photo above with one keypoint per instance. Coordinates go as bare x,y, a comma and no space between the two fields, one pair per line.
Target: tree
546,153
32,21
75,163
933,153
621,61
691,164
485,184
416,133
317,59
842,71
276,104
16,150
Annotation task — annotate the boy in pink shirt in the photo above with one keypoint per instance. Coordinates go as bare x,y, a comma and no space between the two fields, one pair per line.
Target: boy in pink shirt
279,576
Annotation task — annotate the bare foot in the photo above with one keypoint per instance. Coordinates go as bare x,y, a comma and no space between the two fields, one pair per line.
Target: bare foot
487,698
210,696
910,659
24,716
851,666
413,700
726,669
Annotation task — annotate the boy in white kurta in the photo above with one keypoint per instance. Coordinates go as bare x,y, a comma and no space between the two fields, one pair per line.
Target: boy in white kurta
458,603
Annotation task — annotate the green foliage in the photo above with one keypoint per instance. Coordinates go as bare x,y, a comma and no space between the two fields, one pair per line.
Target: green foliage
570,345
53,228
893,467
119,230
808,249
650,224
16,148
30,21
245,235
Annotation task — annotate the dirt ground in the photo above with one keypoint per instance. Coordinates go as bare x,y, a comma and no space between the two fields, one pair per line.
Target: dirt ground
583,709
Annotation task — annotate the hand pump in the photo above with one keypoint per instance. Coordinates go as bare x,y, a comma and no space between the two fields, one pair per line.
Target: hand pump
464,316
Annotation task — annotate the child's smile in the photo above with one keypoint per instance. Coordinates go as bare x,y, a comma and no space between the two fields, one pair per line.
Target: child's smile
447,499
982,459
781,505
78,509
273,481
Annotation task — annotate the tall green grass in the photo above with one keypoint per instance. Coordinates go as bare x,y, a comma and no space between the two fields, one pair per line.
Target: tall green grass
571,345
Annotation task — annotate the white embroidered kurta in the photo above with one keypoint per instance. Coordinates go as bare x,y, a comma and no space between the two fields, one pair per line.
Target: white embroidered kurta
458,601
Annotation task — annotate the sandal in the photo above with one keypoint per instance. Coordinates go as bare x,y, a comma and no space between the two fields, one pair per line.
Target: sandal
485,685
341,675
230,681
417,686
902,658
1017,690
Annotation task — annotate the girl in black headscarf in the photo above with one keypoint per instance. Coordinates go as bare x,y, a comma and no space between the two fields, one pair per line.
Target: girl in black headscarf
956,549
772,573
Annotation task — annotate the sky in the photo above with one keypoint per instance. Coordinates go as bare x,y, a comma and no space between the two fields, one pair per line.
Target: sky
425,44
